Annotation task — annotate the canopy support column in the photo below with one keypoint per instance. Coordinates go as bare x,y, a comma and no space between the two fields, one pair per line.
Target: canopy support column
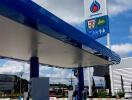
80,83
90,82
34,67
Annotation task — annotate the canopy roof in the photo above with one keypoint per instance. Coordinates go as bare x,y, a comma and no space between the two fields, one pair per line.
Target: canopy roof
26,30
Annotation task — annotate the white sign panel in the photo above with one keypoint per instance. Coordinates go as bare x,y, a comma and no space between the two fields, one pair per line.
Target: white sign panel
95,8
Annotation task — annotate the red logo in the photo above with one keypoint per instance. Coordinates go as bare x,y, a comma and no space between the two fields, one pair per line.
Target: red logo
95,7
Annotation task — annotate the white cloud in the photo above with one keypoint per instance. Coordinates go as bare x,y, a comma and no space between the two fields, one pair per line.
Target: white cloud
119,6
116,9
73,19
57,75
122,49
11,67
68,10
15,68
72,11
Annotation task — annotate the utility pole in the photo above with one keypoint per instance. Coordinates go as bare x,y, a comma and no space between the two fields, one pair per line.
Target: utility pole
71,81
21,74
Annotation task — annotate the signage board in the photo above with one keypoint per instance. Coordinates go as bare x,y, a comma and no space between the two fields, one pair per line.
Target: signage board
95,8
96,18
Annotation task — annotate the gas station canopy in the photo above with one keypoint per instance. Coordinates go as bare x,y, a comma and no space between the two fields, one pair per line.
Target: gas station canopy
27,30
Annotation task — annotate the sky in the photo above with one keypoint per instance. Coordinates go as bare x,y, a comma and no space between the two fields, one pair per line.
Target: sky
72,11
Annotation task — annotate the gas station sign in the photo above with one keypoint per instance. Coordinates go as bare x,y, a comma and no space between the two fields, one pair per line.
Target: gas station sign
96,18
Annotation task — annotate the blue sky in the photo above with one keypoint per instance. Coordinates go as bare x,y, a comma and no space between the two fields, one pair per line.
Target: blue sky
72,11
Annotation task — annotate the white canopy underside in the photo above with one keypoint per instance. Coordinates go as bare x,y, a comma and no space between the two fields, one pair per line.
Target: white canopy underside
21,42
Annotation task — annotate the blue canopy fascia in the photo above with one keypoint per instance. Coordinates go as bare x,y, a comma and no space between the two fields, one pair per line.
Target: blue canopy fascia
29,13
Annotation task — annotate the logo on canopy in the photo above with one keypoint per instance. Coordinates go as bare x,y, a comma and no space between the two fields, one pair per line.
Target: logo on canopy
95,7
